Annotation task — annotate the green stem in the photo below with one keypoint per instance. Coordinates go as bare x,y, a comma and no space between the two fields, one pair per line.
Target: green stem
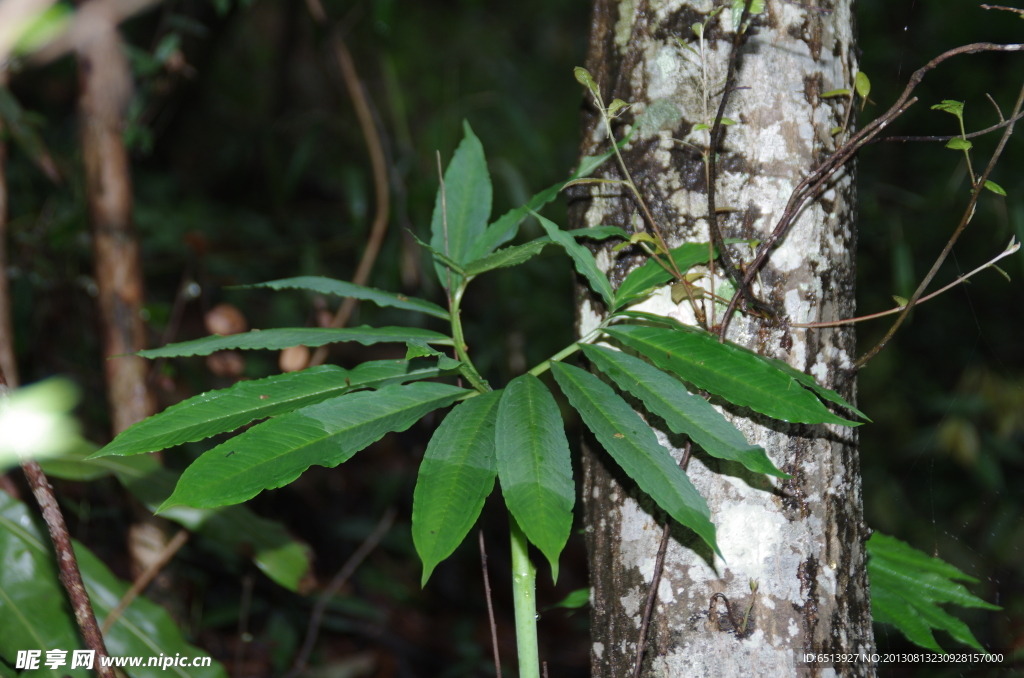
632,186
967,153
524,577
567,351
468,370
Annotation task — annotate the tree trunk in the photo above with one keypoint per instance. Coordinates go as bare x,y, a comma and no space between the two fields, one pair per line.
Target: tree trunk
105,81
8,361
801,540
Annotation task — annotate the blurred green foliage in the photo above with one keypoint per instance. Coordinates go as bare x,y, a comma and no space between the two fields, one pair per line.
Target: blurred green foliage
249,165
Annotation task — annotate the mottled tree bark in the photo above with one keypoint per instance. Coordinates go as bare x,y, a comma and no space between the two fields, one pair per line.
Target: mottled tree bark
105,82
801,540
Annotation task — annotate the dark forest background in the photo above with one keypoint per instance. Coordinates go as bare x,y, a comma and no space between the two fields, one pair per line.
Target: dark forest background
249,165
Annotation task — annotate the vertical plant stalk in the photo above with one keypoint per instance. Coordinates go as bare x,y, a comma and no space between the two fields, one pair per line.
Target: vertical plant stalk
524,579
105,81
361,103
8,363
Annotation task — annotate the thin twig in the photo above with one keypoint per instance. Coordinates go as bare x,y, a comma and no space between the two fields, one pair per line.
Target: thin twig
1011,249
1007,9
999,111
728,608
140,584
490,606
652,592
979,133
717,130
70,576
343,575
361,103
964,220
817,179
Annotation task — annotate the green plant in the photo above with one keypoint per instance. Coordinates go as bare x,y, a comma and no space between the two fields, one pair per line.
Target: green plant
324,415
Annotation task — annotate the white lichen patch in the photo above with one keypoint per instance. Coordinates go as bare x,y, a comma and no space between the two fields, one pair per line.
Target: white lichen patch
663,73
589,319
631,602
624,26
797,307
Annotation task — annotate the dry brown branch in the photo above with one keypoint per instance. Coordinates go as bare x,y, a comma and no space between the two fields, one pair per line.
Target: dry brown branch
1011,249
70,576
379,228
490,605
343,575
964,220
819,178
140,584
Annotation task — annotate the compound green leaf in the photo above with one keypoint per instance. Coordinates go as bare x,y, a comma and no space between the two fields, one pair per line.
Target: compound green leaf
948,105
506,227
508,256
641,281
467,204
347,289
443,261
216,412
418,349
635,447
810,382
928,586
277,554
279,338
456,476
582,257
533,465
684,412
276,452
889,608
907,587
730,371
597,233
518,254
896,552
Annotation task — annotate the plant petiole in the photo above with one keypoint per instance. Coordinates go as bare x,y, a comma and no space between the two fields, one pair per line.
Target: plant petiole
524,578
